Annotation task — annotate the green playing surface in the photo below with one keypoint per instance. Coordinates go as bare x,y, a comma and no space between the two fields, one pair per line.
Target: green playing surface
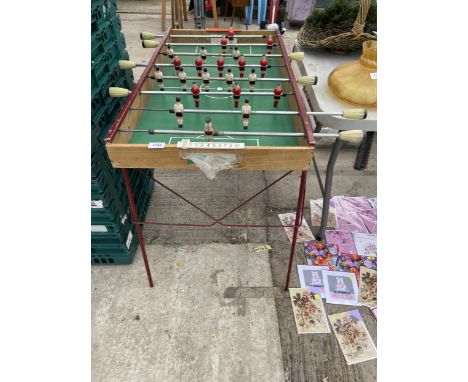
161,120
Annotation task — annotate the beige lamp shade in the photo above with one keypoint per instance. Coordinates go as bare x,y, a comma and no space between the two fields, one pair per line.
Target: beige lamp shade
355,81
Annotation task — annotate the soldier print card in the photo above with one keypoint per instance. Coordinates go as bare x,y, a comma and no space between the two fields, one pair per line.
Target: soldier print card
353,337
308,311
311,277
340,288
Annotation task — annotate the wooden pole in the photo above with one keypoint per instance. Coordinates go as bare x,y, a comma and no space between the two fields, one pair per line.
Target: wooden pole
163,15
215,14
172,13
184,4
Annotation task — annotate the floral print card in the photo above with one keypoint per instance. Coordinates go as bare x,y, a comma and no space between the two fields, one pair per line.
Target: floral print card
368,287
340,288
311,277
366,244
308,311
352,263
318,253
353,337
316,206
303,234
343,239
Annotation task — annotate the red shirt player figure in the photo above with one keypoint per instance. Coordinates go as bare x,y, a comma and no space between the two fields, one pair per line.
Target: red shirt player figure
199,65
196,94
176,61
263,65
220,64
236,90
242,63
269,43
231,35
224,42
277,94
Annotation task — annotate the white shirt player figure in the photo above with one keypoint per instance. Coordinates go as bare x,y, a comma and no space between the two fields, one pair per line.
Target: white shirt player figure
252,80
236,53
229,78
203,53
169,51
158,74
206,79
246,111
182,78
179,112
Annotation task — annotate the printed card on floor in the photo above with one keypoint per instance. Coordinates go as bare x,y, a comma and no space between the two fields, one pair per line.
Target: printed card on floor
350,221
343,239
310,276
340,287
318,253
368,287
352,263
366,244
372,202
316,206
353,337
303,234
308,311
369,218
374,312
352,203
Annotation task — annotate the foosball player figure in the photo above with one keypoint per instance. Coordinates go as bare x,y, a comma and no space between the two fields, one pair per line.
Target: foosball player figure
236,54
206,79
252,80
176,61
169,51
269,43
224,42
263,65
229,78
203,53
236,90
208,130
246,111
158,74
231,35
179,112
196,94
182,78
199,65
220,64
277,94
242,64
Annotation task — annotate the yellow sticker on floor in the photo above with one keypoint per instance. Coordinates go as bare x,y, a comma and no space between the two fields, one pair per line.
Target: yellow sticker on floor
262,248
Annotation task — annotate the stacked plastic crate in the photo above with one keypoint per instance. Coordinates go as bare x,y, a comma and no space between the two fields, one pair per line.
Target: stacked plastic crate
113,238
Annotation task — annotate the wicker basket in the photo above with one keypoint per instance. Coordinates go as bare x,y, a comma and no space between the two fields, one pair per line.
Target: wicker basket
336,39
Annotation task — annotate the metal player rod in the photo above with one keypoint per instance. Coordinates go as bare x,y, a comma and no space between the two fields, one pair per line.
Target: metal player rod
350,135
348,113
211,44
222,54
215,66
163,92
204,35
224,80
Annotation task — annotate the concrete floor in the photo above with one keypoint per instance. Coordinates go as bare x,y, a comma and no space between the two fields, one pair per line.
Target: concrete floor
217,311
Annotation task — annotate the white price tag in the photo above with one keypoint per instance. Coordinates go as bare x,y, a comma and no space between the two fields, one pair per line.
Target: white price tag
97,204
98,228
373,75
129,239
156,145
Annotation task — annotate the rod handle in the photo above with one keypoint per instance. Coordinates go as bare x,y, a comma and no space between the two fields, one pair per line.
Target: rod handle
352,136
296,56
147,36
307,80
126,64
118,92
151,131
355,113
149,43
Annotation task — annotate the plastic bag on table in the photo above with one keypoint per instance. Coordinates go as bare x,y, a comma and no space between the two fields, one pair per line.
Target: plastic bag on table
211,164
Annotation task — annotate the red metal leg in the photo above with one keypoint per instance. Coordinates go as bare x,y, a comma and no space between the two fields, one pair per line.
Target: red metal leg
299,214
136,218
